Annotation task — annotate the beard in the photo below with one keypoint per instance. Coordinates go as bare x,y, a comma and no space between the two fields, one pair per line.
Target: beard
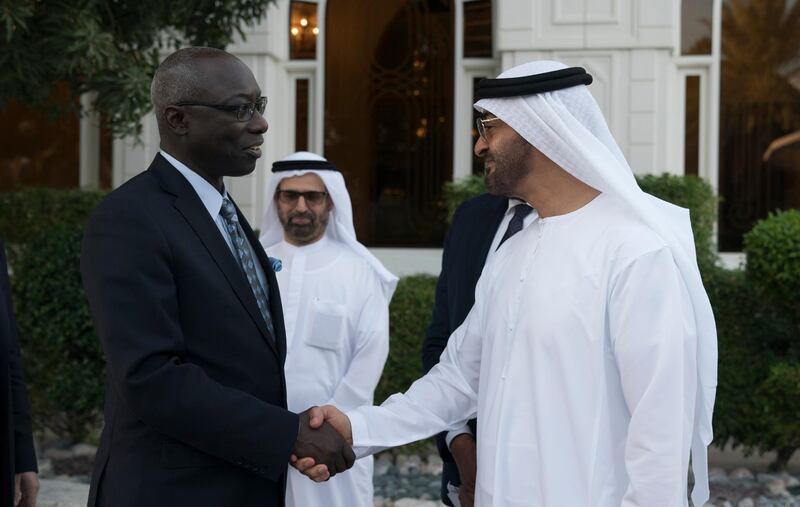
308,232
509,167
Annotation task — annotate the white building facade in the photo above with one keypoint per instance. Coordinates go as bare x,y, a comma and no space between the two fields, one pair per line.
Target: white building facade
660,97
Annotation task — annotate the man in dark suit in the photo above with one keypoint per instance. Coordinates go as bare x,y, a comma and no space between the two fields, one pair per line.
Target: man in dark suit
186,306
480,225
19,480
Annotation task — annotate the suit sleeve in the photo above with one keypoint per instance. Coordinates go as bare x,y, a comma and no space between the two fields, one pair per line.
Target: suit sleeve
128,277
24,453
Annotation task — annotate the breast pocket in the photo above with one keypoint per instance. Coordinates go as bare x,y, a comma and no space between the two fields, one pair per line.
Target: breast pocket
328,324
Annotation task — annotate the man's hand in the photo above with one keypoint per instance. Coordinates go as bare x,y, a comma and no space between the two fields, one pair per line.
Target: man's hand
324,446
26,487
464,451
333,416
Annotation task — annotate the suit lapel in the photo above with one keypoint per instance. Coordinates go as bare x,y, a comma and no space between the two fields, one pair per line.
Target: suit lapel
189,205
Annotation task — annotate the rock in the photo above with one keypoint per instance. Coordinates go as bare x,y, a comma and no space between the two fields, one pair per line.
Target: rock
433,465
56,493
83,450
741,473
776,487
57,453
746,502
413,502
382,466
379,501
790,480
410,465
45,468
717,474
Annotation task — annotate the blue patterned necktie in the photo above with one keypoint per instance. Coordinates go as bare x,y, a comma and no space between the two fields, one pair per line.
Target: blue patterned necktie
515,225
246,261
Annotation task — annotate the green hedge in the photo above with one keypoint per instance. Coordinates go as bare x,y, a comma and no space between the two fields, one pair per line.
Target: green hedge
773,258
409,316
63,360
61,355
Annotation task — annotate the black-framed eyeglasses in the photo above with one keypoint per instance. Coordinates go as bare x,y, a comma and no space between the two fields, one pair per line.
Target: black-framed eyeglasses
480,123
244,112
312,197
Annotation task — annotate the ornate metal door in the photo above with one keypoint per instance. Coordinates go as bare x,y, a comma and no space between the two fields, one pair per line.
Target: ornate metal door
388,114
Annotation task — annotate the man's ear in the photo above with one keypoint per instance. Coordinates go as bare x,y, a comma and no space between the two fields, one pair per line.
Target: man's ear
176,120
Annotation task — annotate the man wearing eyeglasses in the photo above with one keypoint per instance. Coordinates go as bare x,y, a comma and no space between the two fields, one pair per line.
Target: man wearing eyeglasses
335,297
480,226
187,308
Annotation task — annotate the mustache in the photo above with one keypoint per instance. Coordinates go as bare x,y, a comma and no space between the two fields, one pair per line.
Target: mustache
302,214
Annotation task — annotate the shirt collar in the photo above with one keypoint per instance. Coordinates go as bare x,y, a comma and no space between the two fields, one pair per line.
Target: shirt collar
513,201
209,195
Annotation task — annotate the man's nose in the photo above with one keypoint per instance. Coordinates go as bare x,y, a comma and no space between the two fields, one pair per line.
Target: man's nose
257,124
302,205
480,146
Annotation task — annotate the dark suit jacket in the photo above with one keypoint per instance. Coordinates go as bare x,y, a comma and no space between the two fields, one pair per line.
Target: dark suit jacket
466,247
16,449
195,410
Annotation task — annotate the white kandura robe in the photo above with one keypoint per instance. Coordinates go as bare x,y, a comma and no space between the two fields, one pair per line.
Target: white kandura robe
337,334
579,358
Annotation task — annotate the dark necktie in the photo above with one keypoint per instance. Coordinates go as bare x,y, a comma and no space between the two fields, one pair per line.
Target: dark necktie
246,260
515,225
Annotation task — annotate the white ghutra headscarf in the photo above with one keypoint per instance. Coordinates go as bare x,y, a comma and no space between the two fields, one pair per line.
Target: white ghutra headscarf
568,127
340,227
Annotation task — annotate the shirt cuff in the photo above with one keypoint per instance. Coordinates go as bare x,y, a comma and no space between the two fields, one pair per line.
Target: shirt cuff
451,435
359,431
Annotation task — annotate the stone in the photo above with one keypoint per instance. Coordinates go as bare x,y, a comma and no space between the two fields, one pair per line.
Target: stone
58,493
716,474
741,473
410,465
83,450
414,502
382,466
746,502
433,465
791,481
45,468
379,501
776,487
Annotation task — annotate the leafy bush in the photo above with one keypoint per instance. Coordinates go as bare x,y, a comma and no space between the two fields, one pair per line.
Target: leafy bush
62,356
773,259
26,213
409,315
697,196
456,192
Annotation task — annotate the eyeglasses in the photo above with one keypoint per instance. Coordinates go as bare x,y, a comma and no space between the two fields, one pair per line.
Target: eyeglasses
312,198
481,124
244,112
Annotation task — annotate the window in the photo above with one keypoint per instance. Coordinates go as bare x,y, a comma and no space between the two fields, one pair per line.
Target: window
691,131
40,149
478,29
696,27
759,136
303,31
301,115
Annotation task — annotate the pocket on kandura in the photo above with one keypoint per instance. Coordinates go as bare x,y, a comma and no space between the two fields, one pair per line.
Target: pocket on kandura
328,320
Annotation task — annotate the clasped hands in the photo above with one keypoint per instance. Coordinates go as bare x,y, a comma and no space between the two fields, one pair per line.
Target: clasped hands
324,443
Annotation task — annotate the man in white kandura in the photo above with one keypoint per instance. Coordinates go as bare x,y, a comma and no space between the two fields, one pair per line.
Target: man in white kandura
335,298
590,354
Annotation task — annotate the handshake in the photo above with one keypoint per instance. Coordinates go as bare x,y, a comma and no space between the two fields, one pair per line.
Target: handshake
324,443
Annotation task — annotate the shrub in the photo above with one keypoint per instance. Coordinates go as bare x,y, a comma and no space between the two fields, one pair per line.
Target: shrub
773,259
26,213
456,192
697,196
62,356
409,315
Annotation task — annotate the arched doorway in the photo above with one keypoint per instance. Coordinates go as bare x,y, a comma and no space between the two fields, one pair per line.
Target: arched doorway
388,114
